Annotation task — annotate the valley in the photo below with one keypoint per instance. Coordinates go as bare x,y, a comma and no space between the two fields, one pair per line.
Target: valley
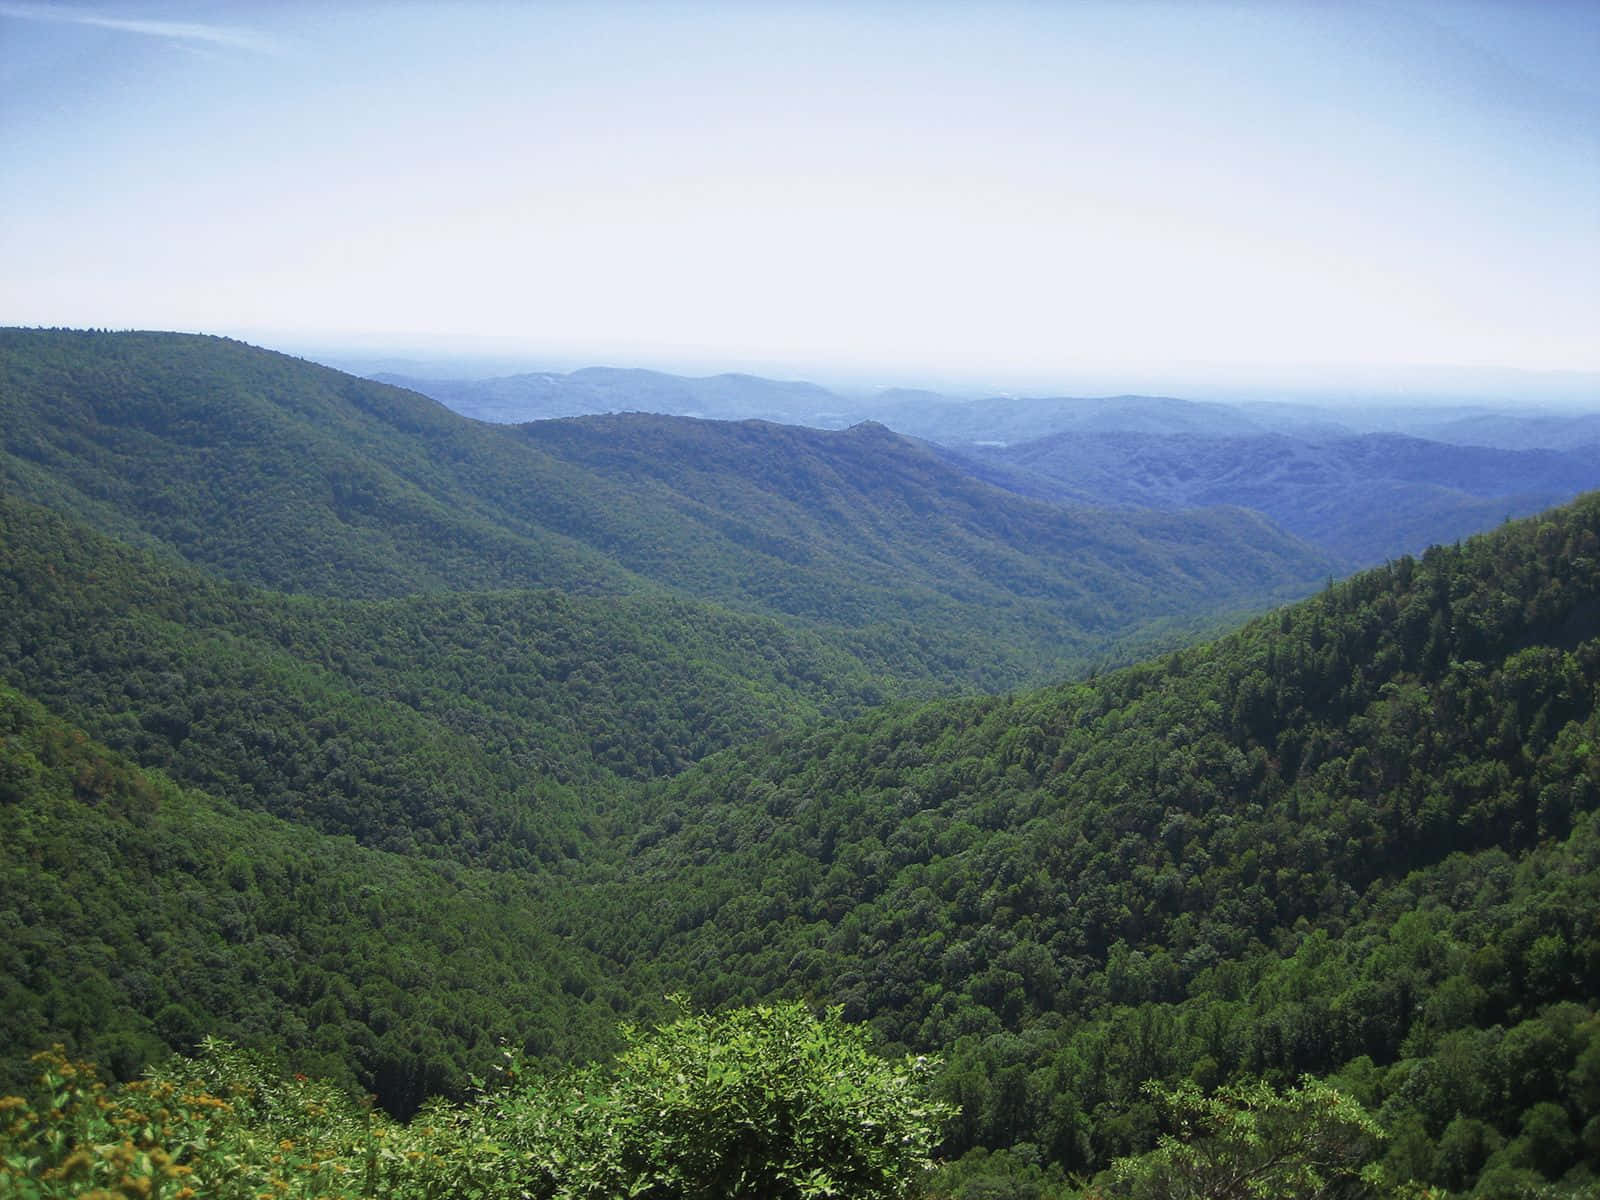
390,745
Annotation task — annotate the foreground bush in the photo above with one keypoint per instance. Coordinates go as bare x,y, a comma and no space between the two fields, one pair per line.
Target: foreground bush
764,1102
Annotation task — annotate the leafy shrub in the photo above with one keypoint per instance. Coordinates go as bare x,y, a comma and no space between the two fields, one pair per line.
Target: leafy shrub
1252,1143
768,1102
765,1102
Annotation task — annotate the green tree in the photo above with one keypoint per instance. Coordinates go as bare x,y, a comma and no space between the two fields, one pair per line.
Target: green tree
766,1102
1250,1142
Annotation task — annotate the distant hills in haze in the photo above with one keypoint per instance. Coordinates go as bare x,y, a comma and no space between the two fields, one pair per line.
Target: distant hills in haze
950,419
539,396
1363,483
1363,498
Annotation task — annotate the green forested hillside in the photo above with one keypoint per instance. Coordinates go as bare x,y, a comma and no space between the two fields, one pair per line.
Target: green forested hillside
807,508
349,788
139,916
274,471
485,726
1357,838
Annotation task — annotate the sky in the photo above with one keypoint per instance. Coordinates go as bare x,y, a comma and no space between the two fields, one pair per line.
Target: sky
1012,191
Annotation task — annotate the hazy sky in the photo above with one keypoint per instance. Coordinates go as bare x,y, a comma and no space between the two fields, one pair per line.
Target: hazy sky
986,187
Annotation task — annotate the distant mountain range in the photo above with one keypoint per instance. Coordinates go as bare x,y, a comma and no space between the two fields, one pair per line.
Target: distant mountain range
952,420
1364,498
535,397
1362,483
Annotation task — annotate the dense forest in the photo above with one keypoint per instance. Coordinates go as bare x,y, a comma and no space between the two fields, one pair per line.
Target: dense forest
1357,839
1364,498
268,470
428,794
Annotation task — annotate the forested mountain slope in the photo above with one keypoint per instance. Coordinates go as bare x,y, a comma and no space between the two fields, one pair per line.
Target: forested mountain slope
489,727
550,721
139,916
277,472
271,470
809,509
1356,838
1364,499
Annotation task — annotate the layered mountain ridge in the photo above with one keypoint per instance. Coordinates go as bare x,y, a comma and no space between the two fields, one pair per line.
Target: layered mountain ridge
1362,483
276,472
1365,498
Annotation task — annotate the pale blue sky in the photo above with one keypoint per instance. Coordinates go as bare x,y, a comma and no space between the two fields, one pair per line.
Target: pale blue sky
1000,188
